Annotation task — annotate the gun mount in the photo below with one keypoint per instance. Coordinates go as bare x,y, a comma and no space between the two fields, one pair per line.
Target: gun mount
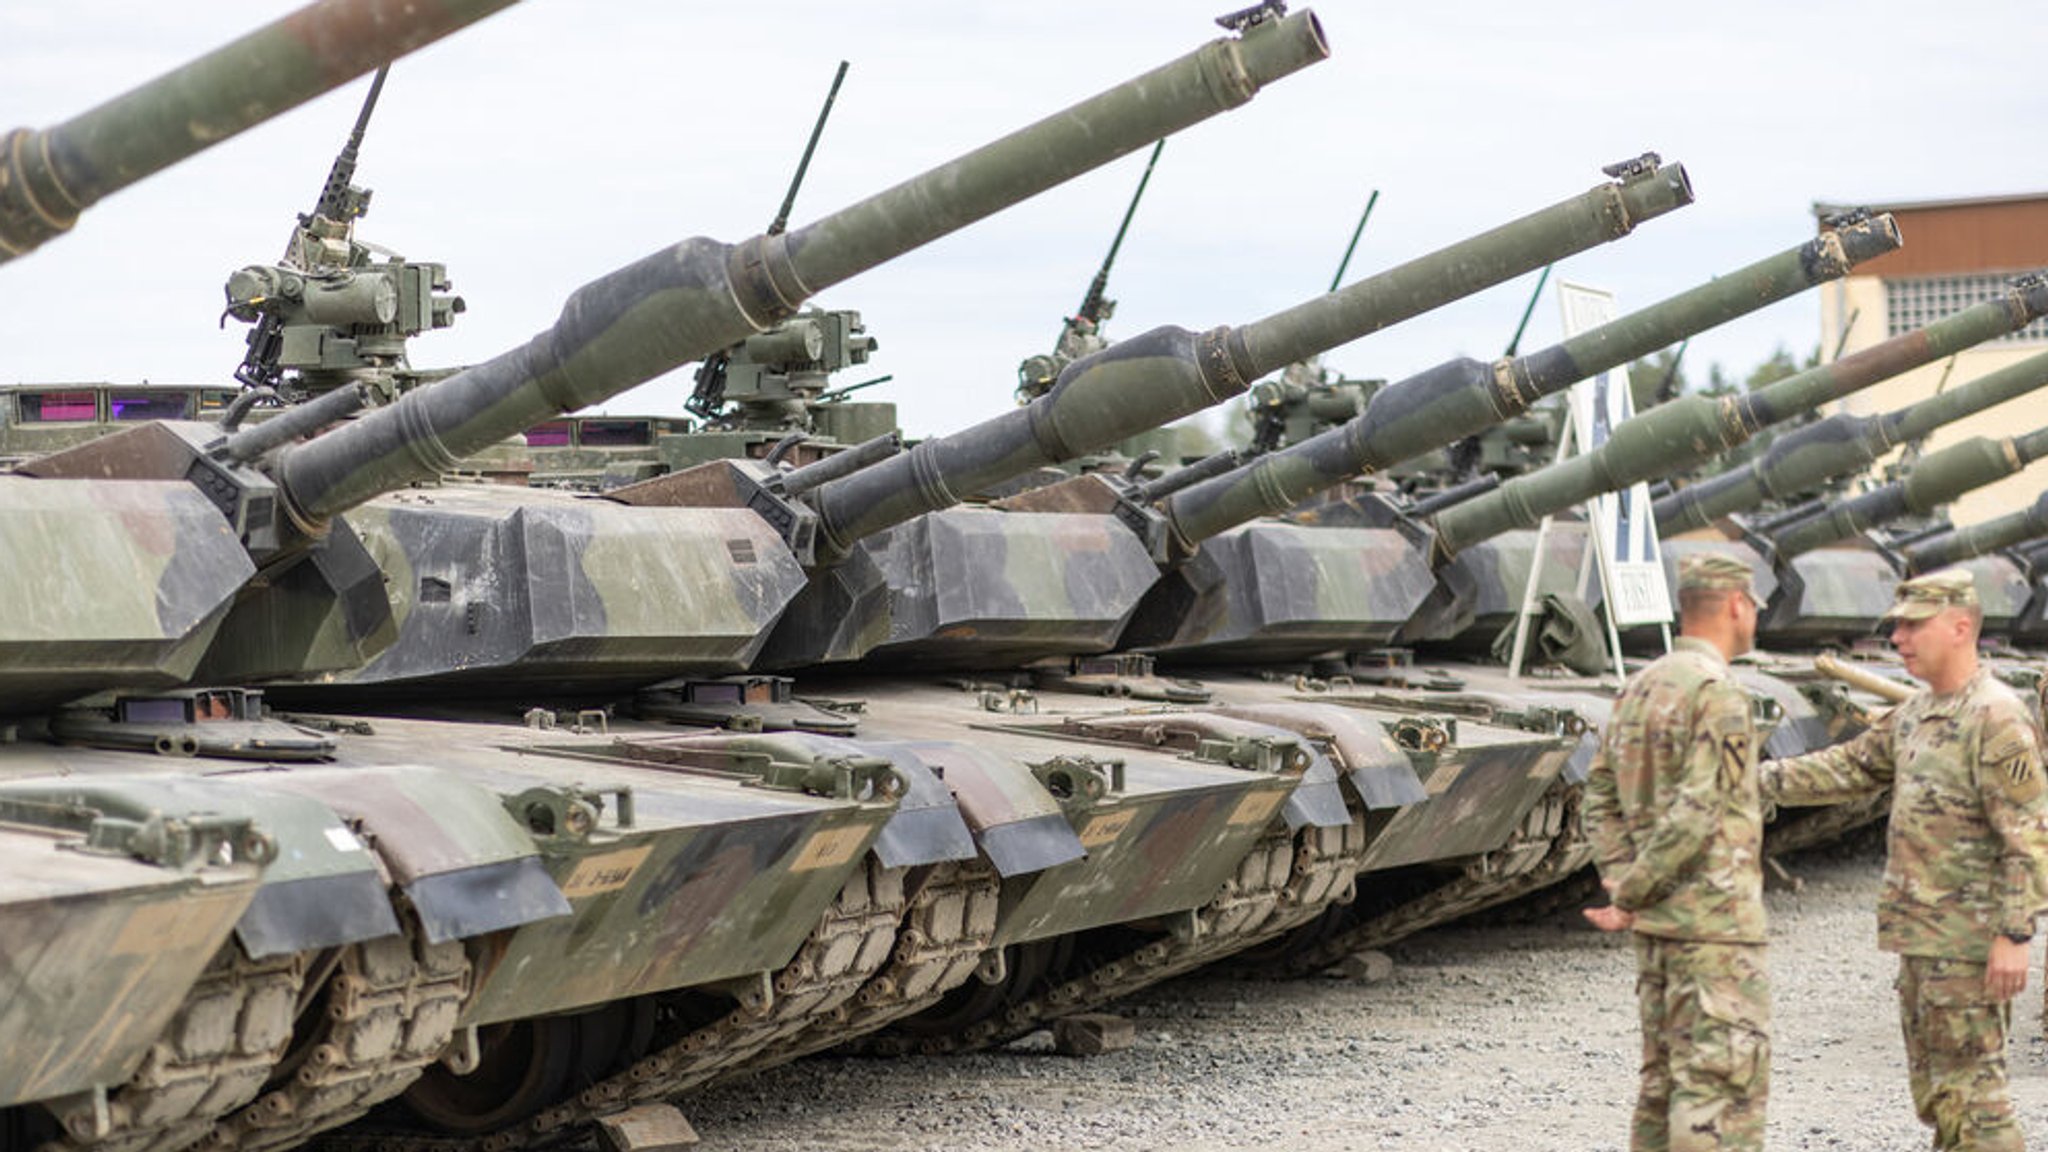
328,314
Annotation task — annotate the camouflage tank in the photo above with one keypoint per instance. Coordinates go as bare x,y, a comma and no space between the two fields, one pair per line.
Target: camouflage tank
1690,430
1218,598
251,928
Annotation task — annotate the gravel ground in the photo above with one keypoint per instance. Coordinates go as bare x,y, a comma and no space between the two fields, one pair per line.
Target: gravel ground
1519,1037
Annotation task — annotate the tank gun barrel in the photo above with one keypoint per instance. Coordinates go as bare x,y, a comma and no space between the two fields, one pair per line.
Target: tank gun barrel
1844,443
48,177
1960,544
1880,686
690,300
1693,429
1465,396
1937,479
1171,372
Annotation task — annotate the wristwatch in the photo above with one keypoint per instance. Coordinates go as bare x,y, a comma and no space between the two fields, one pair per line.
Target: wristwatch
2018,937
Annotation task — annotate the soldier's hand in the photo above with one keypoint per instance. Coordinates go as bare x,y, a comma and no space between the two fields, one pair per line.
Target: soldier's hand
2005,974
1612,919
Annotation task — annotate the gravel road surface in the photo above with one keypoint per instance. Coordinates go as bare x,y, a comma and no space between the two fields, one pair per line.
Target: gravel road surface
1515,1037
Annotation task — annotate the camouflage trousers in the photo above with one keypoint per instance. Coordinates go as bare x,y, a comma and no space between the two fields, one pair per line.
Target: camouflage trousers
1955,1051
1706,1011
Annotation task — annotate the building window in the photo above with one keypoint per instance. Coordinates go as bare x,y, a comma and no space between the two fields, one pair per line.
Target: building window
1916,303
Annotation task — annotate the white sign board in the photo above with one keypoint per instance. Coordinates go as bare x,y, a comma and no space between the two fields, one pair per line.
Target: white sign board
1625,533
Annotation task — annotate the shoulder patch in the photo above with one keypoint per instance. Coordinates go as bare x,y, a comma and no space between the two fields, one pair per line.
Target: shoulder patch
2013,763
1734,760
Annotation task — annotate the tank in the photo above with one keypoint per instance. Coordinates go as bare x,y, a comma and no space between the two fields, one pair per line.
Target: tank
517,926
1225,601
860,609
49,176
1691,430
1846,443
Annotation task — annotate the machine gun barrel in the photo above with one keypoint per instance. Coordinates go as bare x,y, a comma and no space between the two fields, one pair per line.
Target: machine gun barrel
1098,288
1171,372
48,177
1451,497
803,165
1844,443
1936,480
1200,470
1960,544
798,481
1462,397
1344,265
296,421
688,301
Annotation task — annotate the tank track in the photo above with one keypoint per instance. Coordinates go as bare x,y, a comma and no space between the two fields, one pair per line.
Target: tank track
1548,847
389,1011
233,1028
852,942
1287,880
947,933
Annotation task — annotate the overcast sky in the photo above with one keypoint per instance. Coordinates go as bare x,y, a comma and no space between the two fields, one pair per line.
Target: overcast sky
557,140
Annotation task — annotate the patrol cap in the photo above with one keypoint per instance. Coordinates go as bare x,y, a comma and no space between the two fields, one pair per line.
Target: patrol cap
1713,572
1923,597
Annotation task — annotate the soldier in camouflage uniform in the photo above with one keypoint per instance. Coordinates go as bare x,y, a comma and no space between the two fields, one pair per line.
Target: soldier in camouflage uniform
1967,846
1673,814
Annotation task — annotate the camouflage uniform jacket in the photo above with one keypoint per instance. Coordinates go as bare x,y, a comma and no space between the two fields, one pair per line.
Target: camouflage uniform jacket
1969,825
1671,801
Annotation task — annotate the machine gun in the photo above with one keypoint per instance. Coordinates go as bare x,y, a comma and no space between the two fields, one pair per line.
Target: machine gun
1306,399
1082,332
326,315
707,399
334,214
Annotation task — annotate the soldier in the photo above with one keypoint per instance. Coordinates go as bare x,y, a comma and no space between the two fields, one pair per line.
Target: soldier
1673,813
1965,860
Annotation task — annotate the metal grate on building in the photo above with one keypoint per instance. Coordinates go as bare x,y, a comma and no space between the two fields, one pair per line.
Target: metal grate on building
1919,301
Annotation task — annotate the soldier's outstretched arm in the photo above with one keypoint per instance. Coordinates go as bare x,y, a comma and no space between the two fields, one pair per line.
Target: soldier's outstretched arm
1846,771
1717,760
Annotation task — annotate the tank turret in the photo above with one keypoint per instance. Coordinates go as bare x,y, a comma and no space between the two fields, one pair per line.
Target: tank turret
1462,397
1692,429
48,177
1845,443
